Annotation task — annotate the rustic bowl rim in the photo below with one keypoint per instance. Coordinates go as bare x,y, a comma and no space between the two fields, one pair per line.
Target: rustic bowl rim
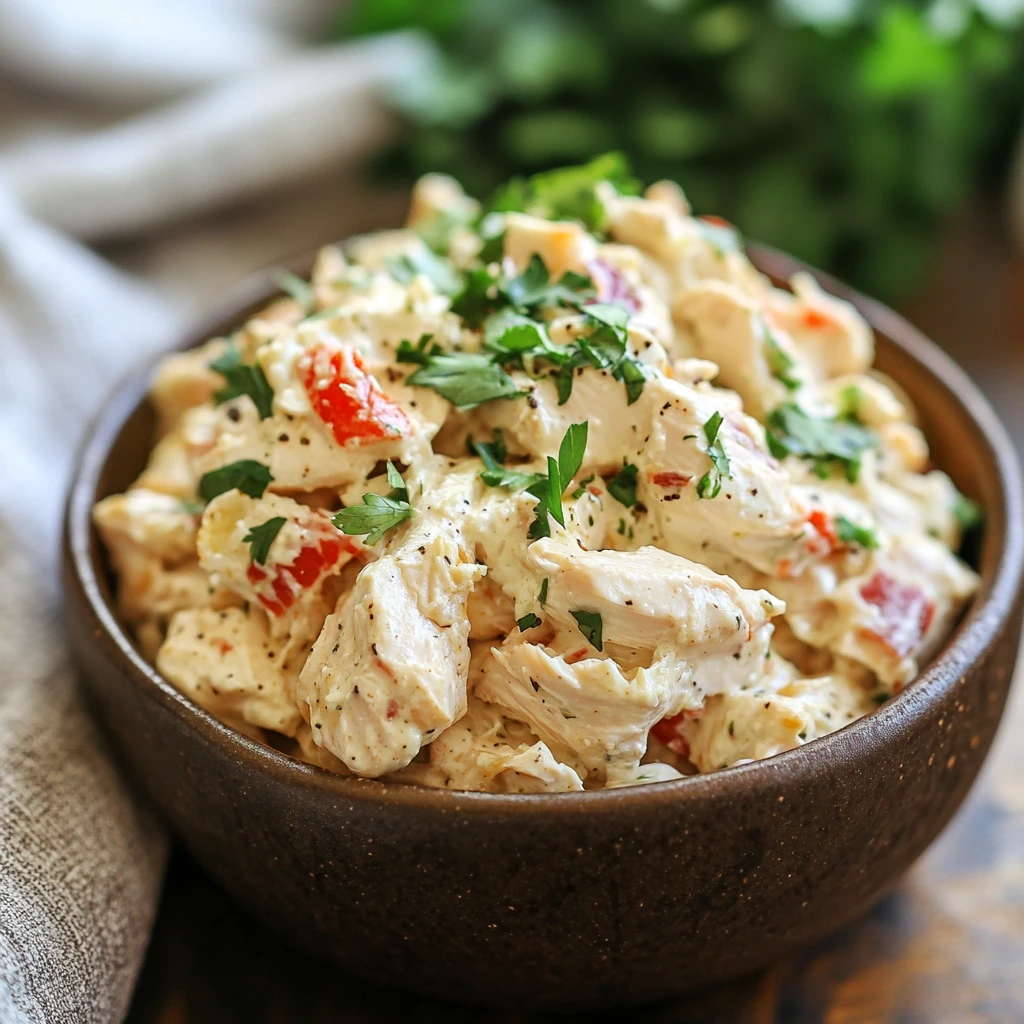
976,632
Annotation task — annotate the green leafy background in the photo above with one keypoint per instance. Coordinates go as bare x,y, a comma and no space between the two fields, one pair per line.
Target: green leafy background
839,130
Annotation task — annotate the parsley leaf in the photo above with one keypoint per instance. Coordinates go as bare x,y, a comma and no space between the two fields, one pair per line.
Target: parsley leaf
571,452
510,335
374,517
622,486
528,621
399,490
581,487
569,193
418,353
591,625
494,474
478,296
851,533
298,289
710,484
466,379
249,476
404,267
378,513
791,431
780,363
967,513
544,592
260,538
533,289
548,489
243,379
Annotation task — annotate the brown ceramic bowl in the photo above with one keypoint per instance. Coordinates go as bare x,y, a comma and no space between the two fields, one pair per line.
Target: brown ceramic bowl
605,898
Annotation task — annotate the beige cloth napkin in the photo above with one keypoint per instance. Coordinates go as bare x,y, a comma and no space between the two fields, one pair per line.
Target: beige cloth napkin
153,113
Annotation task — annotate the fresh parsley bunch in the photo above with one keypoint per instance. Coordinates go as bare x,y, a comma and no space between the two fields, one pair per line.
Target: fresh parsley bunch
840,132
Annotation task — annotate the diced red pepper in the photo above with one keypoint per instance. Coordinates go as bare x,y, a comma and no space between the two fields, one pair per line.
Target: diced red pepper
349,400
670,478
816,320
311,563
905,612
825,528
669,732
579,655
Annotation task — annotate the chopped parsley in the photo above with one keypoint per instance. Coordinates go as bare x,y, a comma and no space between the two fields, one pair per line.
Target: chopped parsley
420,352
544,592
247,475
826,442
298,289
851,533
967,513
780,363
243,379
260,538
528,621
710,484
378,513
466,379
590,626
622,486
569,193
549,488
582,486
441,274
494,473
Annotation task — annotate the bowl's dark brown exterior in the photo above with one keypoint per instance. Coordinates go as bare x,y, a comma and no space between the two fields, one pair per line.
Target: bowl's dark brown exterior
572,900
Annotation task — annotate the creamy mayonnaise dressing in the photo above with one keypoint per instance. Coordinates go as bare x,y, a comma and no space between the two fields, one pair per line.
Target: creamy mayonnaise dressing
701,530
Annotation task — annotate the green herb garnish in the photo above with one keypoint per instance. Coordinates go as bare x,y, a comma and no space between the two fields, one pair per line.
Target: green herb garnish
528,621
569,193
247,475
967,513
826,442
549,488
590,626
378,513
710,484
260,538
243,379
851,533
622,486
544,592
298,289
444,277
466,379
780,363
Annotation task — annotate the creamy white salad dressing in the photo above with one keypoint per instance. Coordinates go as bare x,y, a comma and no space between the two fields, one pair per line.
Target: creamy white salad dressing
700,529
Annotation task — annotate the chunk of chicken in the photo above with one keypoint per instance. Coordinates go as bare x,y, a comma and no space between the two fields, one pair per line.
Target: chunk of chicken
750,724
727,327
388,672
485,752
649,598
228,664
563,245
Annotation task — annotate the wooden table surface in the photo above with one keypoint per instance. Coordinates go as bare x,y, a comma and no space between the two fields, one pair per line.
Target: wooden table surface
947,946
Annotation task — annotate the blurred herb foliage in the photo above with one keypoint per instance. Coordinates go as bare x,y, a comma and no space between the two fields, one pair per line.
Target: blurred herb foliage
839,130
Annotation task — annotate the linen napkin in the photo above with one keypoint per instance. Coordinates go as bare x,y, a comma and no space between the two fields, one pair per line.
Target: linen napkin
149,115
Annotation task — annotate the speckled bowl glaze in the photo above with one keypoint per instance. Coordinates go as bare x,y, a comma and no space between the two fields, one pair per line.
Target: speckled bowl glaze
571,900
